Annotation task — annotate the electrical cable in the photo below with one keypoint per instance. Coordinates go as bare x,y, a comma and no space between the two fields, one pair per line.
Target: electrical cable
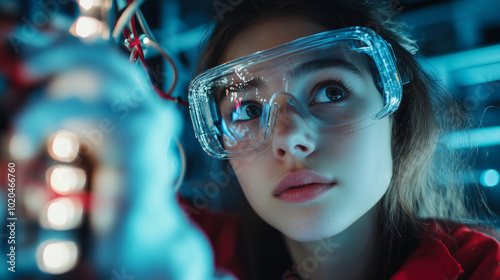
133,53
134,43
144,25
153,43
125,18
170,61
137,43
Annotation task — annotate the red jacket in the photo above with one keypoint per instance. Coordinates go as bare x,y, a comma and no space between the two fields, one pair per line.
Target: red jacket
460,253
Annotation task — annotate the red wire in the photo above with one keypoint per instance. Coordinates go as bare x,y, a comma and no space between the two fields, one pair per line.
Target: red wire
137,43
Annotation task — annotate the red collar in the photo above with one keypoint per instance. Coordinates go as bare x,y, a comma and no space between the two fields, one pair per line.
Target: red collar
430,261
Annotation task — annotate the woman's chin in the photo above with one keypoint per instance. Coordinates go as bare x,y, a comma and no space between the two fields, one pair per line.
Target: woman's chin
309,232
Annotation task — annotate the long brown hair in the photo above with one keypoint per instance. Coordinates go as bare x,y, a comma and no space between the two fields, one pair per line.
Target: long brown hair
425,182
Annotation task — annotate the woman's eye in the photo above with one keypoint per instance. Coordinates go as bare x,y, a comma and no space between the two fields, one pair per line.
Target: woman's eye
329,93
246,112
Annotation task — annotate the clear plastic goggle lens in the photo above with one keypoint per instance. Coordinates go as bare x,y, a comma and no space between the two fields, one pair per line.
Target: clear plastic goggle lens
333,93
335,86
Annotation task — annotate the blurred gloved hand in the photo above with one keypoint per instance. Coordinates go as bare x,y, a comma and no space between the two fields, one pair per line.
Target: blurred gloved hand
135,223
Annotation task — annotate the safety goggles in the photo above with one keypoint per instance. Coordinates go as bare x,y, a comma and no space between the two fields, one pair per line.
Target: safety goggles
335,82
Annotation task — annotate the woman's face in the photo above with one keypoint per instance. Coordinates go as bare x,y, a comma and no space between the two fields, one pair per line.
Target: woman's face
305,185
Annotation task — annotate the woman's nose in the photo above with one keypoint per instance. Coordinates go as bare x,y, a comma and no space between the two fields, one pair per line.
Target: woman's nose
293,137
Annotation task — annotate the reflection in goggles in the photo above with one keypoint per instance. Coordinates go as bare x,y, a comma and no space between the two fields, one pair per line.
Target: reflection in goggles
329,93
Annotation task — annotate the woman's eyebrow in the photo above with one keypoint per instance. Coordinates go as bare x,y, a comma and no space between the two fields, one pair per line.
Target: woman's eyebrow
320,64
257,83
301,70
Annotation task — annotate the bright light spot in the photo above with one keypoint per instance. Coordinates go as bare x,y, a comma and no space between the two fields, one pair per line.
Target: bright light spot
64,146
86,26
63,179
145,40
64,213
86,4
20,147
66,179
480,137
58,214
489,178
57,257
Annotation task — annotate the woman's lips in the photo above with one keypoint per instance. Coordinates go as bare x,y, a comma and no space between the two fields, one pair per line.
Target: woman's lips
302,186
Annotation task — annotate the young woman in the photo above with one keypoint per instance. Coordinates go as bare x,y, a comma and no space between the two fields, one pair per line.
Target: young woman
332,130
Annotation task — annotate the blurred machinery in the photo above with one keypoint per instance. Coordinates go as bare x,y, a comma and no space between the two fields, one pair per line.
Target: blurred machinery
461,43
91,164
473,77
